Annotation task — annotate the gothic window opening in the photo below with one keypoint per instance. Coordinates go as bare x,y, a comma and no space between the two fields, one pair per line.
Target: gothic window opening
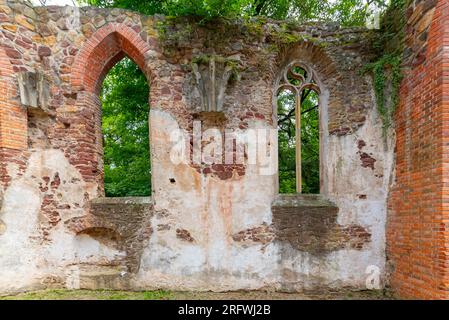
297,103
126,151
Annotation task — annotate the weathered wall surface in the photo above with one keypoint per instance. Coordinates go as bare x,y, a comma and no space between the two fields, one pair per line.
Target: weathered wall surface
418,220
206,227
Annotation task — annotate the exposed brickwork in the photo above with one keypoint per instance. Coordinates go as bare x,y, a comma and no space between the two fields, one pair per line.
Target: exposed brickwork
367,160
79,62
75,48
417,234
419,16
347,111
51,206
11,157
309,223
102,51
13,121
263,234
124,221
184,235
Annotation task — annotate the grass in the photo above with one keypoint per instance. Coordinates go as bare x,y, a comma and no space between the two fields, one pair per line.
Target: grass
61,294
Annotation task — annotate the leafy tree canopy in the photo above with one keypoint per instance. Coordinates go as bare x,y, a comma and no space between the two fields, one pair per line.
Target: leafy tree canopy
124,99
344,12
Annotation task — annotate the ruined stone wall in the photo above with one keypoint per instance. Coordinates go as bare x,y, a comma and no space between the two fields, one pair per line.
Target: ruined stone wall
206,227
417,233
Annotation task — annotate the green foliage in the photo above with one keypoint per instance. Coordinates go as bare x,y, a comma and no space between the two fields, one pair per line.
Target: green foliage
387,71
387,68
286,142
62,294
146,7
343,12
125,131
207,9
157,295
310,144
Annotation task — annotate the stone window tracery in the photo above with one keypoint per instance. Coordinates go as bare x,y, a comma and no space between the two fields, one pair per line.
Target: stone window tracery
296,84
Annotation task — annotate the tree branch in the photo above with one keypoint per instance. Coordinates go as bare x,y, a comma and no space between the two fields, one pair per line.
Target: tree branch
310,109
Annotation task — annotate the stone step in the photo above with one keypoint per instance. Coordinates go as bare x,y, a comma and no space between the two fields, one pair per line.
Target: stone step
97,277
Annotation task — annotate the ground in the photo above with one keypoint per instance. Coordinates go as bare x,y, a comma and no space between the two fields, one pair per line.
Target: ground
167,295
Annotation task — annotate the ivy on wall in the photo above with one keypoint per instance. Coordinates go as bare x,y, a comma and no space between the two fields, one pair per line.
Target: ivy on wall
387,73
387,68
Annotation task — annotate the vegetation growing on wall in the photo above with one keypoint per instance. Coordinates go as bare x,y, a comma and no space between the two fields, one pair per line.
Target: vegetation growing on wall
343,12
387,77
387,68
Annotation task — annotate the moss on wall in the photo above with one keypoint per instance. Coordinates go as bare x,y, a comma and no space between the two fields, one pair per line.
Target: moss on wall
387,67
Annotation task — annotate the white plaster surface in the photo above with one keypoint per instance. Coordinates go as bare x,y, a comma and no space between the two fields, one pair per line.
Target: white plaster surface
25,260
212,210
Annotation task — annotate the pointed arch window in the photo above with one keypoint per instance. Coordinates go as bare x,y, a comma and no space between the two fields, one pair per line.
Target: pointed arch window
297,104
118,110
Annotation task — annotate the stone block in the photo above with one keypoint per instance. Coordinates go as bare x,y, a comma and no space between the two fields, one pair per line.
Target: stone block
34,89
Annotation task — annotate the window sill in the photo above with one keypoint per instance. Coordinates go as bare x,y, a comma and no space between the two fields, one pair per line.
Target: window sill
122,200
299,200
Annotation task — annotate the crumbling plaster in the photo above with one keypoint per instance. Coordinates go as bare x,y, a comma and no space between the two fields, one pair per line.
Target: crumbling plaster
195,220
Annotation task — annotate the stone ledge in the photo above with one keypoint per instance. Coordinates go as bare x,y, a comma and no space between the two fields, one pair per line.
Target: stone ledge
302,200
122,200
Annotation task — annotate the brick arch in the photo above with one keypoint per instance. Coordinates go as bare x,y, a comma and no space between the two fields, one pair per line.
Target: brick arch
323,67
316,58
107,46
13,118
334,80
325,74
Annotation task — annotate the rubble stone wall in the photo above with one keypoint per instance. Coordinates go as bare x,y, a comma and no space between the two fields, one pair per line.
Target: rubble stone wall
205,227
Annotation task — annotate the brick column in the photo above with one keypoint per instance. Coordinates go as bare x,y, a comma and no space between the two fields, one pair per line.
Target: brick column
13,118
418,222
